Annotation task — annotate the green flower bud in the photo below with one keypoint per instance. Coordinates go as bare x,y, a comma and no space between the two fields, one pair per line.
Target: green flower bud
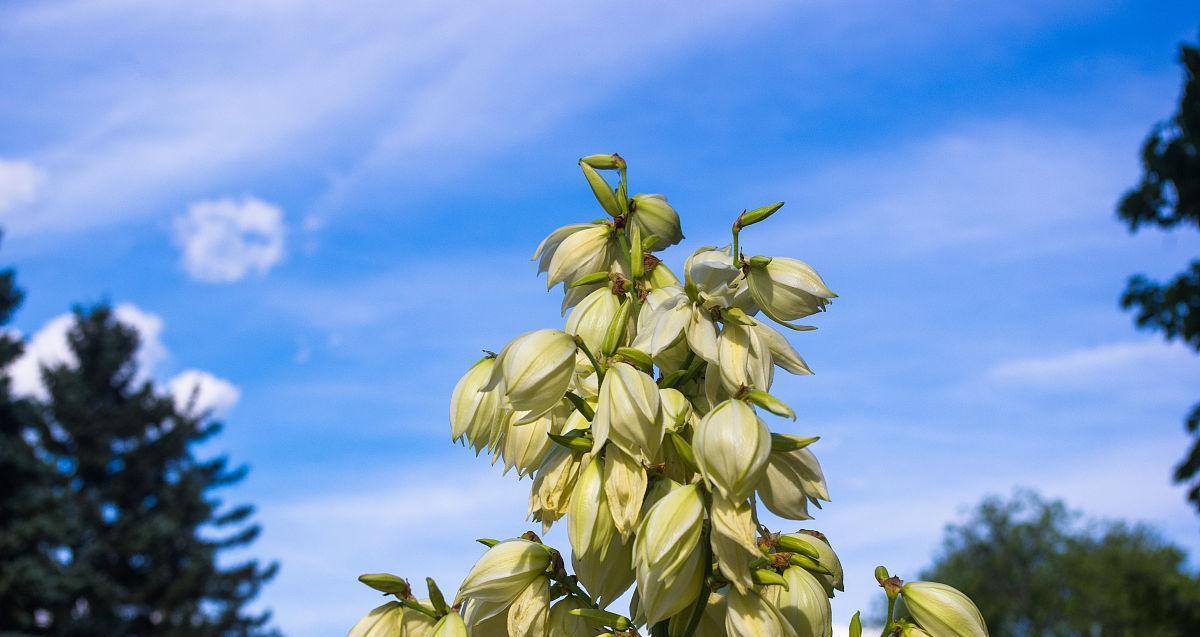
603,162
603,191
580,253
788,289
752,217
450,626
386,583
535,369
744,359
529,611
474,412
590,319
792,481
803,603
382,621
627,413
504,571
624,486
826,557
654,216
667,554
943,611
732,445
734,540
750,614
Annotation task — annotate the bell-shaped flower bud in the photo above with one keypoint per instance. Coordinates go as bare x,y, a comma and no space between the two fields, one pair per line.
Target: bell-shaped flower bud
564,624
579,254
535,370
590,319
788,289
451,625
744,359
654,216
474,411
732,445
676,411
625,487
530,610
749,613
603,191
943,611
793,480
382,621
552,485
667,554
417,624
733,540
803,603
546,249
826,557
782,352
504,571
627,413
525,444
601,558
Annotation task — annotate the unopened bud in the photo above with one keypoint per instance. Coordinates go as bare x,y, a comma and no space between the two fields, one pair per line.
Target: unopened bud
603,191
536,369
767,577
618,326
732,445
504,571
783,443
604,162
589,279
881,573
770,403
637,358
803,603
793,544
387,583
602,617
654,216
788,289
752,217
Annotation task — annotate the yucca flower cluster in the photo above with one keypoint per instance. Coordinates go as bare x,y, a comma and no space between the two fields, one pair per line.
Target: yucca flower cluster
644,423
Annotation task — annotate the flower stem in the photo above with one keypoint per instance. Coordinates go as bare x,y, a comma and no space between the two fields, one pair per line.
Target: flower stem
887,624
591,358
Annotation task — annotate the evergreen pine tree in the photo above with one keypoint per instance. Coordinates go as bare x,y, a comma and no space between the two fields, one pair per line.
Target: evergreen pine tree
32,525
147,531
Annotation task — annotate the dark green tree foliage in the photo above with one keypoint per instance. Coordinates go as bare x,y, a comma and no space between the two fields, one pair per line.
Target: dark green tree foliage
31,520
144,532
1169,197
1036,570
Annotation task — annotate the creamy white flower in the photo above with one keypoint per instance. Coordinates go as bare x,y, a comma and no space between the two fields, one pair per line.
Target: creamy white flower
563,624
590,319
382,621
504,571
744,359
701,333
782,352
552,485
943,611
624,487
828,558
535,370
712,621
803,603
627,413
751,615
579,254
529,611
601,558
788,289
450,626
525,445
732,445
792,480
662,320
546,249
910,630
474,411
417,624
733,540
667,553
675,411
654,216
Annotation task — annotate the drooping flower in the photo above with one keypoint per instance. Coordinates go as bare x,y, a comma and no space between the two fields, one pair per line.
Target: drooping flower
732,445
504,571
793,480
535,370
474,411
627,413
827,557
654,216
750,614
803,602
943,611
600,556
667,555
787,289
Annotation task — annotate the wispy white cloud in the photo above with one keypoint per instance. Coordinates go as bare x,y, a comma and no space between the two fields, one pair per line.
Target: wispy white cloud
1082,367
224,240
20,184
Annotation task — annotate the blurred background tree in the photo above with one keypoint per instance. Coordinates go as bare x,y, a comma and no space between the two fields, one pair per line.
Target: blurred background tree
108,521
1167,197
1036,569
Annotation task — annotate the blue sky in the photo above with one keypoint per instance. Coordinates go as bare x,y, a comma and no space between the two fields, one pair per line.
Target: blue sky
325,213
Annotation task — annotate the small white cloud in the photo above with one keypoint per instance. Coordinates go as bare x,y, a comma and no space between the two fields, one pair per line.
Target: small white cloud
196,392
20,183
47,348
151,351
226,239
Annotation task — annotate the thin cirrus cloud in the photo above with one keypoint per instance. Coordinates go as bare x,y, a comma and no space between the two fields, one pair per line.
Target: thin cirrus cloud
224,240
21,183
193,390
